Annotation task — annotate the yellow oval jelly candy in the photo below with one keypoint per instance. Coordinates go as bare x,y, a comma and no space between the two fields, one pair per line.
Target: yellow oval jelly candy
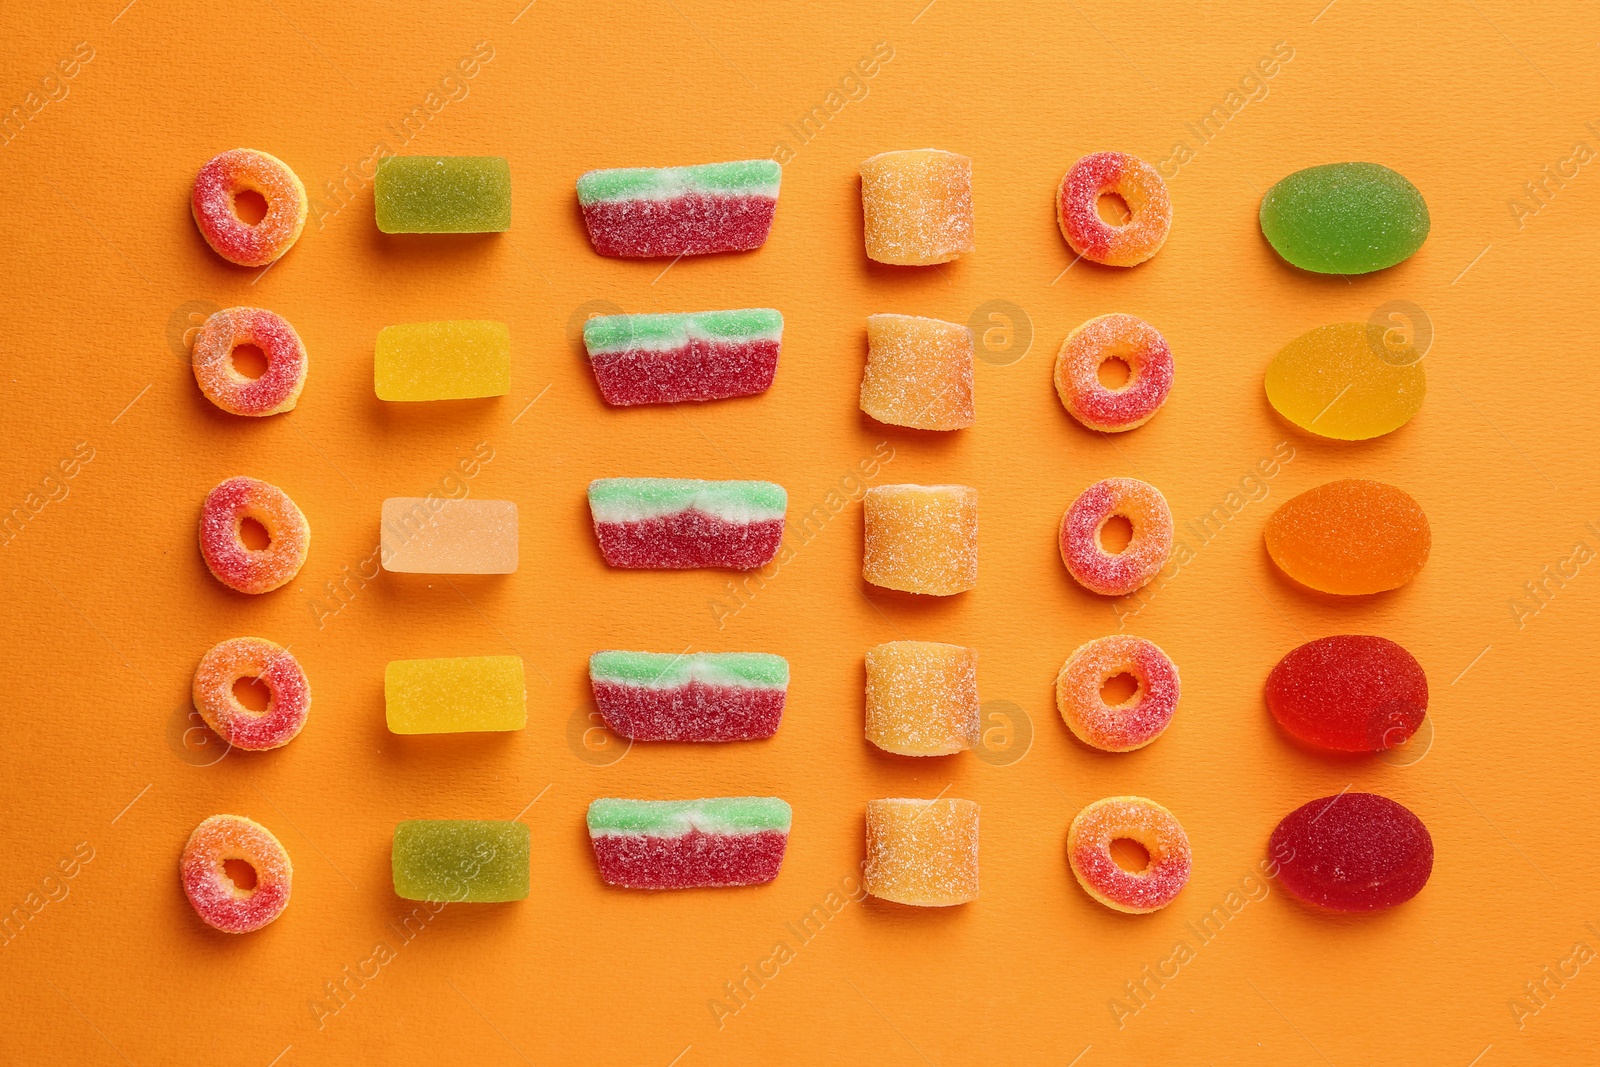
1350,537
1342,381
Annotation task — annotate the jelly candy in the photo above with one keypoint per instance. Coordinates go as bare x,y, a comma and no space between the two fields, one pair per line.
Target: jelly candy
1113,819
1335,381
242,170
1116,573
664,359
438,535
689,844
922,698
917,206
1350,537
704,696
278,387
443,194
1352,852
1344,218
922,852
288,693
919,373
451,696
455,360
1128,724
1349,693
237,565
215,896
1132,342
1140,187
680,523
921,538
460,860
680,211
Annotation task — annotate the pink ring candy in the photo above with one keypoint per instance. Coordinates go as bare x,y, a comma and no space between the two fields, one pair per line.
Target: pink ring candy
277,389
1120,573
240,170
214,895
1134,722
288,703
1121,337
235,564
1141,188
1136,819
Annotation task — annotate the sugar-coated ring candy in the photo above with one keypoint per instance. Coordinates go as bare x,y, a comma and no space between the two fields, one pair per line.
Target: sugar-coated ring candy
1352,852
214,895
1141,188
279,386
1120,573
1132,723
236,565
1121,337
288,700
1136,819
247,170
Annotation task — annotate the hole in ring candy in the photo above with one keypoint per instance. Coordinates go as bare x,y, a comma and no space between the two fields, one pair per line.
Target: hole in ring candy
1136,819
216,897
274,391
1116,574
1139,186
288,699
235,564
1125,339
1350,537
1127,724
245,170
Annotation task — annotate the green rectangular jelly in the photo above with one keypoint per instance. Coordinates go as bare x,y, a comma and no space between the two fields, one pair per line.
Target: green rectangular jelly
460,860
443,194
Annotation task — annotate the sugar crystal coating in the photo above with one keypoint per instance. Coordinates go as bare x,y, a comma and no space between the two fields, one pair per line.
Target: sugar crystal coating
288,693
689,844
452,360
1352,852
922,698
233,563
437,535
683,523
1344,218
922,852
465,694
701,696
1106,821
680,211
919,373
921,538
1128,724
465,861
241,170
1121,337
442,194
666,359
278,387
1350,537
1116,573
216,898
1339,381
1350,693
1140,187
917,206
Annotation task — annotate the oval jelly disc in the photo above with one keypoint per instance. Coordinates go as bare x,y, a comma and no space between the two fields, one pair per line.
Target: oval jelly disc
1339,381
1352,852
1344,218
1350,537
1349,693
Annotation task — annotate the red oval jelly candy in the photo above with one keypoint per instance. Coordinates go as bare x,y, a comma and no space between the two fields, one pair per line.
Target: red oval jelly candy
1349,693
1353,852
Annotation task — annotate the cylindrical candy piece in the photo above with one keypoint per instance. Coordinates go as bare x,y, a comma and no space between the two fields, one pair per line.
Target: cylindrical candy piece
919,373
1352,852
241,170
1129,340
215,896
1349,693
689,844
922,852
921,538
1132,723
1350,537
233,563
1116,573
278,387
1140,187
917,206
1136,819
922,698
288,700
467,861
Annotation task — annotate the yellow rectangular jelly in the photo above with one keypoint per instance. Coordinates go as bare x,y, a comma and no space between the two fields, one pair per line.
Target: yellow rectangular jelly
438,535
469,694
453,360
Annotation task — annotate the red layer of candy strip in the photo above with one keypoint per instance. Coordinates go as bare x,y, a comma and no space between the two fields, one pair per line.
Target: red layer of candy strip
689,225
701,370
688,539
693,712
690,861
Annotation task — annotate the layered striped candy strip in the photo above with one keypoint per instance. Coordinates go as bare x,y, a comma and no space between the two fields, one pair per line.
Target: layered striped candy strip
680,211
683,523
704,696
664,359
689,844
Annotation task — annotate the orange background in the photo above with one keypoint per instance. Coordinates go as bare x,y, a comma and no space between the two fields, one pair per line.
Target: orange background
109,605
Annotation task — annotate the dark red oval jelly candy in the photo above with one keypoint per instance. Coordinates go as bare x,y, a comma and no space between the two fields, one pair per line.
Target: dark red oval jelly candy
1349,693
1352,852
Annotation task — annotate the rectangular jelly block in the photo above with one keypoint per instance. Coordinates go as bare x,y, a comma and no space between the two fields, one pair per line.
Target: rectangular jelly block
461,860
919,373
917,206
922,698
679,523
703,696
664,359
453,360
687,844
437,535
451,696
680,211
443,194
921,538
922,852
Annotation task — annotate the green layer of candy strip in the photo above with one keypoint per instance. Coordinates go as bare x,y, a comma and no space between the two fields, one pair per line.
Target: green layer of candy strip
636,499
747,177
663,670
671,818
618,333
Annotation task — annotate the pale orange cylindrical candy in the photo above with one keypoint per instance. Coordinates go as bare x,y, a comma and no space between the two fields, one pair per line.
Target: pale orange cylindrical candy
919,373
922,852
921,538
917,206
922,698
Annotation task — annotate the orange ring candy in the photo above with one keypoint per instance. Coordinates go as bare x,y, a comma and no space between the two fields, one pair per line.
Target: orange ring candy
1141,188
240,170
1121,337
279,386
1134,722
1116,574
215,896
1137,819
288,703
235,564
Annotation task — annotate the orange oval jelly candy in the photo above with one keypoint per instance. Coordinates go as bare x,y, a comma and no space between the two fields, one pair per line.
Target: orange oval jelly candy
1350,537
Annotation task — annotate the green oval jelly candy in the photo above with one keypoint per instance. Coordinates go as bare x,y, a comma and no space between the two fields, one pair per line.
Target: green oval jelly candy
1344,218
